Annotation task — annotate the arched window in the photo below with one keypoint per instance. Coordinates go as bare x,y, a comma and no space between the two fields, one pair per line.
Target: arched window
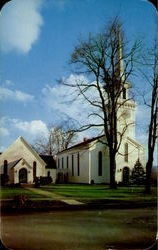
72,165
34,169
100,163
67,161
126,152
5,170
62,162
78,164
58,163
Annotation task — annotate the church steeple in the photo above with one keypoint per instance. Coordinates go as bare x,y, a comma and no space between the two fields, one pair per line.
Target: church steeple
119,57
120,67
126,114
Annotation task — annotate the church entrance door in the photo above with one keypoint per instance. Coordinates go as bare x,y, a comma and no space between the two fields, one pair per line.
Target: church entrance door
125,177
23,175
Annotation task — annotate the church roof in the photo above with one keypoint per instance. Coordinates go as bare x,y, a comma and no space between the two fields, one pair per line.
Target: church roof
8,152
49,160
31,149
84,143
13,163
134,142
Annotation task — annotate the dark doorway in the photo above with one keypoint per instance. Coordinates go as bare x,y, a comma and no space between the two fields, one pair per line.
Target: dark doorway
66,178
23,175
125,177
60,178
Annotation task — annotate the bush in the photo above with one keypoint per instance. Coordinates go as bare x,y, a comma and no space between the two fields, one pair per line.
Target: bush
45,180
138,175
17,185
42,180
20,200
37,181
92,182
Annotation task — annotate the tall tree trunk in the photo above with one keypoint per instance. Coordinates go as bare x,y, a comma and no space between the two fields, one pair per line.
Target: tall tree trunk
148,172
148,177
112,170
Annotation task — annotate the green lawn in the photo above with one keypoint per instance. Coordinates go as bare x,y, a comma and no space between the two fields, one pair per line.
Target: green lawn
10,192
80,191
83,192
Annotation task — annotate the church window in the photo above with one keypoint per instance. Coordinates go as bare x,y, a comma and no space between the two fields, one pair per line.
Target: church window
62,162
126,152
100,163
78,164
34,169
5,167
58,163
72,165
124,93
67,161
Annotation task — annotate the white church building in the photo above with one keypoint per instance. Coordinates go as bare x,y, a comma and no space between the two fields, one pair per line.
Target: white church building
88,161
21,163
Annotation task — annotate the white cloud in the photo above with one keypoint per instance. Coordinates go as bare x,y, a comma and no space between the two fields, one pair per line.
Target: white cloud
64,100
16,95
9,83
20,24
4,131
142,119
13,127
2,148
33,128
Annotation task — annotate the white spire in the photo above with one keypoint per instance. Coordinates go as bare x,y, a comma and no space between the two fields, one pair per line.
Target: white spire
119,57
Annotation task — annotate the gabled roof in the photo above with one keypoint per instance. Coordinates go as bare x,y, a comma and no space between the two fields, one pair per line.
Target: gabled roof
31,149
84,143
13,163
49,160
20,140
135,142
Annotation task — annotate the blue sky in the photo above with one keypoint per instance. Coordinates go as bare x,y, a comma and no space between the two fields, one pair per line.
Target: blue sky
37,38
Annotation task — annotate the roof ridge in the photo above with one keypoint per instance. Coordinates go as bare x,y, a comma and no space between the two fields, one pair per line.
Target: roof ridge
83,143
31,149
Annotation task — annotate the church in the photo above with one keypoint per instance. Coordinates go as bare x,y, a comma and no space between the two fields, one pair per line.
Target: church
20,163
88,161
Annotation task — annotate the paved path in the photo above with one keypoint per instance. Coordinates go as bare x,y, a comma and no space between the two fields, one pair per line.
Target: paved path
53,196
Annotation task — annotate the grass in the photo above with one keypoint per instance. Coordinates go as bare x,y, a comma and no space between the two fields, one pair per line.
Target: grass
10,192
82,192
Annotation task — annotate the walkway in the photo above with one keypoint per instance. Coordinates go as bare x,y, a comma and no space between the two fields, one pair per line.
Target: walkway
54,196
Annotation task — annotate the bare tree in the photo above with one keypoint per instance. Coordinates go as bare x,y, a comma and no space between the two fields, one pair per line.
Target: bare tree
58,139
150,63
101,57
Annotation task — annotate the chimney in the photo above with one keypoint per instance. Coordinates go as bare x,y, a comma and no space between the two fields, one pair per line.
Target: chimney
85,139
